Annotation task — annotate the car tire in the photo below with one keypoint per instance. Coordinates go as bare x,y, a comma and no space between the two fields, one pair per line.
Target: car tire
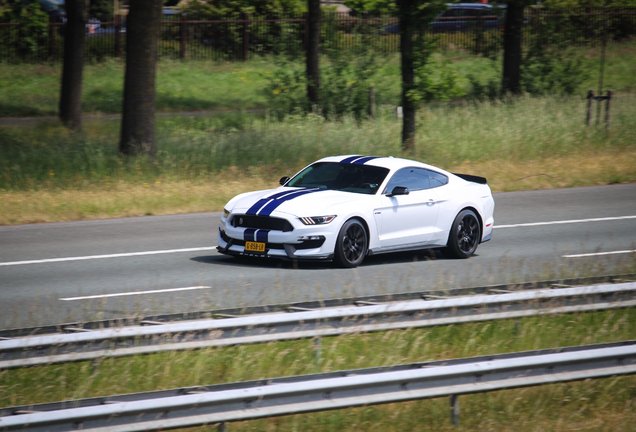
351,245
465,235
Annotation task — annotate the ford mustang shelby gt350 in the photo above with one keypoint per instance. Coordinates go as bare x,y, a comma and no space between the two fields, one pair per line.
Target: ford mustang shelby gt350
344,208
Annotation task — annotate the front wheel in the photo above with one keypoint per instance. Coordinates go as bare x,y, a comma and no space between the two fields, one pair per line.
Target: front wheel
351,246
465,235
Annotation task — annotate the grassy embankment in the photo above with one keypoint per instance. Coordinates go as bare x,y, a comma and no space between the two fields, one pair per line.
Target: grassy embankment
48,173
600,405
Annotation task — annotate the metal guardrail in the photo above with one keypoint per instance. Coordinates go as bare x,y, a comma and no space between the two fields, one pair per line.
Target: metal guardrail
125,341
196,406
70,327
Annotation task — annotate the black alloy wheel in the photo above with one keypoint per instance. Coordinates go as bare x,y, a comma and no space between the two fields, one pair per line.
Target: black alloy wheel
465,235
351,246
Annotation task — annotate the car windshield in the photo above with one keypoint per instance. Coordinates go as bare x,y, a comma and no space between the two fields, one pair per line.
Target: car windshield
346,177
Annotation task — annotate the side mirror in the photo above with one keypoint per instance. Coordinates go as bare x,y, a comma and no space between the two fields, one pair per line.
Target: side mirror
399,190
283,180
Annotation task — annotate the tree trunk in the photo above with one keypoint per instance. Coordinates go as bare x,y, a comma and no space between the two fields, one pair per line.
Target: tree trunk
407,27
138,116
73,68
511,81
313,51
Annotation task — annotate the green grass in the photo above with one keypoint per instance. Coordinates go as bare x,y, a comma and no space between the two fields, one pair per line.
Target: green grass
531,129
606,404
33,90
48,173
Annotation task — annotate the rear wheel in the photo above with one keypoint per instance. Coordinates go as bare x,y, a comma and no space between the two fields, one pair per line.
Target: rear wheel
464,236
351,246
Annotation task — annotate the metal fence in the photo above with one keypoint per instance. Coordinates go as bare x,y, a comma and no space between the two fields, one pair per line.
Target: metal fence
153,337
239,36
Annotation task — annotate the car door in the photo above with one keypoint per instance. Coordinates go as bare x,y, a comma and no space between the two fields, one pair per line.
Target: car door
407,219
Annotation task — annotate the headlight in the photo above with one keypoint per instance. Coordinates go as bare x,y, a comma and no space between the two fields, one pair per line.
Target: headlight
317,220
226,213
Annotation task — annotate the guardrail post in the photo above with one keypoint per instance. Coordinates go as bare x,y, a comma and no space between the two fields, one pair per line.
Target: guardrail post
454,403
317,350
222,427
590,98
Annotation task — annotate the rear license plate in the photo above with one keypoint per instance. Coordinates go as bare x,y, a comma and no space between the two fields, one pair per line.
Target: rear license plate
254,247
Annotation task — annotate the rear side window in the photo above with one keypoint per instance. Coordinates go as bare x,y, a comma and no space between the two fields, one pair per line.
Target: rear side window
416,179
412,178
437,179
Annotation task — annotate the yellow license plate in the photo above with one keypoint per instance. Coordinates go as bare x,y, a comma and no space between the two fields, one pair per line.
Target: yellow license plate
254,246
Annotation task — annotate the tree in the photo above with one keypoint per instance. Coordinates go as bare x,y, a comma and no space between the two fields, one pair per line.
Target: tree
138,116
414,16
72,71
313,51
511,79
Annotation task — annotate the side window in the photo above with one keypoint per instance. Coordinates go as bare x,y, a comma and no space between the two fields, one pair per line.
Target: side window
437,179
413,178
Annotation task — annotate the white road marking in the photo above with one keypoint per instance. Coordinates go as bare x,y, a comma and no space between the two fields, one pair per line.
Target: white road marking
158,252
599,254
136,293
566,222
120,255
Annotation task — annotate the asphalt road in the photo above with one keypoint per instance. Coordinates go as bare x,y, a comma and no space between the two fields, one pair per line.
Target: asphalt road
89,270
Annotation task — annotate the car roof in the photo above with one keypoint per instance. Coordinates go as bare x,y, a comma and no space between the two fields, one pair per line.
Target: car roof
385,162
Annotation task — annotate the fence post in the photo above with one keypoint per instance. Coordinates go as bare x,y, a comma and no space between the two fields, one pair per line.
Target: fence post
372,102
454,403
118,35
246,36
480,32
52,42
588,116
610,93
182,52
588,23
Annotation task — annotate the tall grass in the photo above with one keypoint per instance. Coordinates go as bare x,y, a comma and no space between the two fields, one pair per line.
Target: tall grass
606,404
529,129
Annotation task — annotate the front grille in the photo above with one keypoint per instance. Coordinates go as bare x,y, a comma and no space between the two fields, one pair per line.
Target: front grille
261,222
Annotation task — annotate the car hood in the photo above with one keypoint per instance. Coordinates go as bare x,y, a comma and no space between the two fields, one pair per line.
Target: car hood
298,202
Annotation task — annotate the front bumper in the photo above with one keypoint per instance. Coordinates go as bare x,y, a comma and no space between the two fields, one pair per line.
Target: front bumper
314,242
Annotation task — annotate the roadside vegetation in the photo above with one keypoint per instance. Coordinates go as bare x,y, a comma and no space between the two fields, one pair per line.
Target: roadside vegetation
603,405
33,90
48,173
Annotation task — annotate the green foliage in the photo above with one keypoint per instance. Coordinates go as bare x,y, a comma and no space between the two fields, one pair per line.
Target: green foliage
550,65
32,32
101,9
285,88
373,6
433,80
256,7
346,81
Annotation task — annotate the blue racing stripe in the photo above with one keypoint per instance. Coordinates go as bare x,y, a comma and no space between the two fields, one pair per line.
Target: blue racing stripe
364,160
262,236
248,234
272,205
261,202
350,159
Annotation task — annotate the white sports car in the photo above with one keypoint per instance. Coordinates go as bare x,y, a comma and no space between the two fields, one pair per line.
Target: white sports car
344,208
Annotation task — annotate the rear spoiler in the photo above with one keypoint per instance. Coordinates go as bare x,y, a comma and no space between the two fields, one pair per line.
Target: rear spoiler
472,178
